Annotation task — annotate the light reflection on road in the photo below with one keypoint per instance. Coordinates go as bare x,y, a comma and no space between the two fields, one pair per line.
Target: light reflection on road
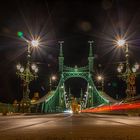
67,125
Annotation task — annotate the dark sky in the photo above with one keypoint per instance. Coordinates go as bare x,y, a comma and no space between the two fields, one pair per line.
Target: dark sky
75,22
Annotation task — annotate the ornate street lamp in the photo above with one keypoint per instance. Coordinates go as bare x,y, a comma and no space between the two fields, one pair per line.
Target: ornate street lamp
27,74
127,73
52,78
100,78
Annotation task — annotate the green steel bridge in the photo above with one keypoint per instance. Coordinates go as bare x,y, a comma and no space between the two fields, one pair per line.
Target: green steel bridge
58,100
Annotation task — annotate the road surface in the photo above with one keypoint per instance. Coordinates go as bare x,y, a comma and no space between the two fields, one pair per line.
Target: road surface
84,126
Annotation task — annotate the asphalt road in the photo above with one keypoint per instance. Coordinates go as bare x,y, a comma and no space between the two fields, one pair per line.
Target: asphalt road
84,126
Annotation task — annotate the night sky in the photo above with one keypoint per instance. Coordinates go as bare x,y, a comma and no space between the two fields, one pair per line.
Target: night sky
76,22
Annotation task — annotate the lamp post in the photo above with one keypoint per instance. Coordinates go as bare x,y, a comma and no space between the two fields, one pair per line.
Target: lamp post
27,74
126,72
100,78
52,78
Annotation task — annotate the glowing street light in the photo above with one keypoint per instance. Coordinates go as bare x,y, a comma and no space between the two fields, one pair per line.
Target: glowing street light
127,73
100,78
18,66
52,78
121,42
137,66
35,43
120,67
35,68
27,73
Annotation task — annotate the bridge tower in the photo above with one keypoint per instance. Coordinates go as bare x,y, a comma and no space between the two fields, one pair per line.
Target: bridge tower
90,57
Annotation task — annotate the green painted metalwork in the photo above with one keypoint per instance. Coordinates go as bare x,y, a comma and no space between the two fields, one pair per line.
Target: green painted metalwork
58,101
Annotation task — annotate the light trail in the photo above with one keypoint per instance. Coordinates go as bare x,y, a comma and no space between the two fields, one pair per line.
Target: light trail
116,107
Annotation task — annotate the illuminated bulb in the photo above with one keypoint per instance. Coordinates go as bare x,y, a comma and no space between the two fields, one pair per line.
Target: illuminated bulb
136,66
18,66
121,42
99,78
53,77
134,69
33,66
89,86
121,66
21,69
35,43
119,70
36,70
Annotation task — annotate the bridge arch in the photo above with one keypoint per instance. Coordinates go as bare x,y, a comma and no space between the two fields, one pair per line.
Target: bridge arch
76,86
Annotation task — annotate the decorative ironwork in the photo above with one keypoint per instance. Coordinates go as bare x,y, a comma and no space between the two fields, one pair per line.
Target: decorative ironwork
27,74
128,74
